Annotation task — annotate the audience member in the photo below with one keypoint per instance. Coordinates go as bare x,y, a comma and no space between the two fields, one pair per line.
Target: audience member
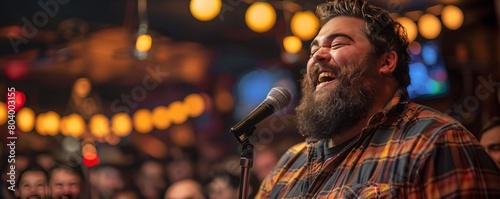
32,183
150,181
124,195
490,138
104,181
181,164
65,182
185,189
226,185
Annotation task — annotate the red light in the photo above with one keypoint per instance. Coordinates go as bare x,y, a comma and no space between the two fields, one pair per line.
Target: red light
19,100
90,159
17,69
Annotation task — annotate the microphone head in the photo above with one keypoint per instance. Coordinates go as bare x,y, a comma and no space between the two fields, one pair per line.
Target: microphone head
279,98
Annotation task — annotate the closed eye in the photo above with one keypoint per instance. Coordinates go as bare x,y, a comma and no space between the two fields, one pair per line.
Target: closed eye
314,52
337,45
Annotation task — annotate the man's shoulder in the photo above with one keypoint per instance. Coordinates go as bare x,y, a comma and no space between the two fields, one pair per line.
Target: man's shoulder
429,121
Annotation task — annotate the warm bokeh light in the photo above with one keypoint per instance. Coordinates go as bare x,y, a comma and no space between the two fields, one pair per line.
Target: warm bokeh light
178,112
73,125
121,124
51,123
292,44
304,25
161,118
150,145
82,87
260,17
410,26
224,101
25,119
429,26
143,121
195,104
452,17
99,125
112,139
3,113
143,43
88,148
205,10
183,135
39,124
193,70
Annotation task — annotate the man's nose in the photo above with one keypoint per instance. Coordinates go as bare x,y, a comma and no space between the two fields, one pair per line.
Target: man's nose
322,55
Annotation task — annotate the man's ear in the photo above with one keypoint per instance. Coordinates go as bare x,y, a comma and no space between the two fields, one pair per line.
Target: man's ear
389,62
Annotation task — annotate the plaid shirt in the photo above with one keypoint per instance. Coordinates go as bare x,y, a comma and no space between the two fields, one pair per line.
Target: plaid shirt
406,151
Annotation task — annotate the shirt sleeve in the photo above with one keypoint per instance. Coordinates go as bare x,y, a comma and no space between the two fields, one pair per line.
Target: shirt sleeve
456,166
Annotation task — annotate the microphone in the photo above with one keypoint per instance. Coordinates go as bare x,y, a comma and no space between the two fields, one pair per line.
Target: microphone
277,99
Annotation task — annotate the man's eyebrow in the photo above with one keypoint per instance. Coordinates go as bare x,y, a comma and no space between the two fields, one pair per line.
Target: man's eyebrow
329,37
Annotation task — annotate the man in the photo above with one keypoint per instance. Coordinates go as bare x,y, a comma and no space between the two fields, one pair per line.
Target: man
150,181
32,184
226,185
364,138
65,182
183,189
105,179
490,139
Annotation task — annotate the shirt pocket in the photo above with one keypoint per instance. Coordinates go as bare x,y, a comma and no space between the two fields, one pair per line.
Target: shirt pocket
368,190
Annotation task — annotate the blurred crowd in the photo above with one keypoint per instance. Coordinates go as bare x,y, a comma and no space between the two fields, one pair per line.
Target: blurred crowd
184,173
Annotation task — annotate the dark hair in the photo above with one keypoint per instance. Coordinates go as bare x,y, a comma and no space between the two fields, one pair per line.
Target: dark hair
493,122
233,180
60,166
32,168
384,33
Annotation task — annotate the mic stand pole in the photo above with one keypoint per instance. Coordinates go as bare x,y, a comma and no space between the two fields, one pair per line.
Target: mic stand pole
246,162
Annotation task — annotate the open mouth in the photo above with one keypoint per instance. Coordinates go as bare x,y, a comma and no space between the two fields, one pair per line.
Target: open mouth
324,77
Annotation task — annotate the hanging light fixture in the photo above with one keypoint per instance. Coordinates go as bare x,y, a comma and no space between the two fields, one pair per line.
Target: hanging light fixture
144,40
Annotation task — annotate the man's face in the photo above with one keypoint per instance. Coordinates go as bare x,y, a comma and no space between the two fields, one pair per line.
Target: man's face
341,79
219,188
33,184
64,184
151,181
106,181
491,142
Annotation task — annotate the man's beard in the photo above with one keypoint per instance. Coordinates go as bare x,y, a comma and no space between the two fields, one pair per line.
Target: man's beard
331,114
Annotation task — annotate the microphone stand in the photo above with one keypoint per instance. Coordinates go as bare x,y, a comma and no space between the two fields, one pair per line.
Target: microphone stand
246,160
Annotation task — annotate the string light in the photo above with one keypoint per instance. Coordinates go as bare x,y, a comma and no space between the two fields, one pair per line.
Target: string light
260,17
452,17
205,10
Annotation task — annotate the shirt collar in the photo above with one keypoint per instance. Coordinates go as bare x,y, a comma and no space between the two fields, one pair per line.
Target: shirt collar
400,97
